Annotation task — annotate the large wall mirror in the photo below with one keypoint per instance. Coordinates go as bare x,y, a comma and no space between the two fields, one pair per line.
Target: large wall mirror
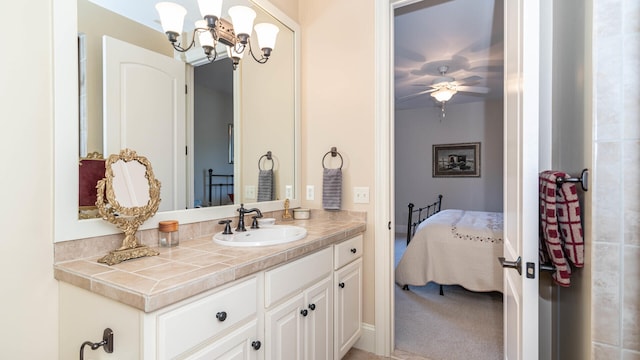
228,132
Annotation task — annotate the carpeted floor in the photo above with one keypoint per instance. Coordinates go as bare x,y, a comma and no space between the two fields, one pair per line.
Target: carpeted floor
459,325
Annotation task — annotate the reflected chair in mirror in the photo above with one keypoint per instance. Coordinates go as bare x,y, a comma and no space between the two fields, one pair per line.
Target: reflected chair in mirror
90,171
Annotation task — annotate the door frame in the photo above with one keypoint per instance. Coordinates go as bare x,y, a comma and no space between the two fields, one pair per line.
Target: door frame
384,175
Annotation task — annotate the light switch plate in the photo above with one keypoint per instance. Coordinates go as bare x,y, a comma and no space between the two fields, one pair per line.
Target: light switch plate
310,192
288,191
250,192
360,195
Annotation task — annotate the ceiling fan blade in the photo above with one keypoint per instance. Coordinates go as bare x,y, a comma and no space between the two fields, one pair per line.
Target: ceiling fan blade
471,79
473,89
408,97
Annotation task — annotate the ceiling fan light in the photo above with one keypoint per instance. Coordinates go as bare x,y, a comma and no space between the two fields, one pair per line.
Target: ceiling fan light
171,17
444,94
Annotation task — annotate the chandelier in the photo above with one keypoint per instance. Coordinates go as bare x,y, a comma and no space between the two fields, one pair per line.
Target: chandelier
213,29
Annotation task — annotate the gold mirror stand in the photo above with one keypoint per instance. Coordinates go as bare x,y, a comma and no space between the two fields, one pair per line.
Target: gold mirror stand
128,219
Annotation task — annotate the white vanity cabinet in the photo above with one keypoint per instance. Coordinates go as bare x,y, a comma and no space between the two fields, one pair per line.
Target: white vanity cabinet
184,328
214,325
299,309
309,308
348,294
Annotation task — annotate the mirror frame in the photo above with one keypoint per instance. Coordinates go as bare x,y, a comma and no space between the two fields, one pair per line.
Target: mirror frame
67,226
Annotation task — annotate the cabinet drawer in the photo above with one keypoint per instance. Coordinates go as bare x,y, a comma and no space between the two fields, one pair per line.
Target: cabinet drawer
191,324
347,251
287,279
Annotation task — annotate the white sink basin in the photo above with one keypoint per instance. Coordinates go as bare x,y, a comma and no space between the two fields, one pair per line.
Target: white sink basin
272,235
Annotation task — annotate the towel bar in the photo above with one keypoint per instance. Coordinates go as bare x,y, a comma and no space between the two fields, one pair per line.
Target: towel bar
269,157
583,180
334,152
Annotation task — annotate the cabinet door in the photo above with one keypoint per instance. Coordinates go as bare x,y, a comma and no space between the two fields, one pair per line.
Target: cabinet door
348,303
319,321
241,344
284,330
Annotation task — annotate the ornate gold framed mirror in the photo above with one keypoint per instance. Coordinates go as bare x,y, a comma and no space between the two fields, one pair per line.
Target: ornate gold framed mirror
128,195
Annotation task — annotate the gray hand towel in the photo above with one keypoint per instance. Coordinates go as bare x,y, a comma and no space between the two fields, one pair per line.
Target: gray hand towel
265,185
331,189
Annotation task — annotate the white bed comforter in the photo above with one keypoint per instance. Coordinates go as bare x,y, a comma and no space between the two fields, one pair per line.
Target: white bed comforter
455,247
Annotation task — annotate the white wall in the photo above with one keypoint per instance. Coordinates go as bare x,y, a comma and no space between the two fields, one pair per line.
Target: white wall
213,111
29,310
417,130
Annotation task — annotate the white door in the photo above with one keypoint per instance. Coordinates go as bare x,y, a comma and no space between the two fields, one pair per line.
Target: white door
143,98
284,330
521,108
319,321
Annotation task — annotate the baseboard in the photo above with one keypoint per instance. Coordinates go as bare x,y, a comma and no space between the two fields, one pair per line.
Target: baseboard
367,341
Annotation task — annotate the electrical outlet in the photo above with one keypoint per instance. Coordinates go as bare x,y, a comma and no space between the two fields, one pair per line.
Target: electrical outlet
250,192
310,192
288,191
360,195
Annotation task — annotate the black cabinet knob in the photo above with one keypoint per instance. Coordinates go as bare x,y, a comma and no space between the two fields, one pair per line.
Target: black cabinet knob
222,316
304,312
256,345
312,306
341,285
353,250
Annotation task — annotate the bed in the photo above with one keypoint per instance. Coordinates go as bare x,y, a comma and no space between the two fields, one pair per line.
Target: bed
452,246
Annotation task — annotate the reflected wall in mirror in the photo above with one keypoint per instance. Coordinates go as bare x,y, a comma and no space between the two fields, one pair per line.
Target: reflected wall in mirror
132,196
264,96
250,114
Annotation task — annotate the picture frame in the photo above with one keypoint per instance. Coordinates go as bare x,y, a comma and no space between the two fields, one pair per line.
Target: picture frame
456,160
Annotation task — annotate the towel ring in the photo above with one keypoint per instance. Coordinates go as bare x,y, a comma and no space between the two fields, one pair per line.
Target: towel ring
269,157
334,152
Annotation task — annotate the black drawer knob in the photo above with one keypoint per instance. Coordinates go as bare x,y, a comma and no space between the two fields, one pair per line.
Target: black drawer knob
341,285
256,345
222,316
312,306
304,312
353,250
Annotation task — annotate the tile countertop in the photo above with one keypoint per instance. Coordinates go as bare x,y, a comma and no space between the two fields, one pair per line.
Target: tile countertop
195,266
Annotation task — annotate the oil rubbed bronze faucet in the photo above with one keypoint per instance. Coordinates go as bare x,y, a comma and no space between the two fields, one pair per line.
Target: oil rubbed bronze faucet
242,212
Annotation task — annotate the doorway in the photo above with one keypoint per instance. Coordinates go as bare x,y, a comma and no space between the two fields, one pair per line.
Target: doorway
474,62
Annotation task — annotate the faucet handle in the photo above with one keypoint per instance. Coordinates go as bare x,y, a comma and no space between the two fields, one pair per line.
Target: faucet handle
227,227
254,224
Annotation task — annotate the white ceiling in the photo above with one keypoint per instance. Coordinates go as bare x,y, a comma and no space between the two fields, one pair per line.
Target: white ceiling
144,11
466,35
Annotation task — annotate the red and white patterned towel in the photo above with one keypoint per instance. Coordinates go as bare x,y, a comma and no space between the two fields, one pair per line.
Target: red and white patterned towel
560,226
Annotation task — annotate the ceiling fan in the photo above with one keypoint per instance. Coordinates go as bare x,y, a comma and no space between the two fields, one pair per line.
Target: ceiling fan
444,87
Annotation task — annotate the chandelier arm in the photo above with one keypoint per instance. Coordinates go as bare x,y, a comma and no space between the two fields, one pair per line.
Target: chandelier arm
179,48
262,59
215,55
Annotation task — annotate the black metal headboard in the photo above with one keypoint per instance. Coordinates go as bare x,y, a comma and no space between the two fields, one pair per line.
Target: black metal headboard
423,214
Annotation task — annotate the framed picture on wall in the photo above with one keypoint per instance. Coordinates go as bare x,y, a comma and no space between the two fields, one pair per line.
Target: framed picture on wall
456,160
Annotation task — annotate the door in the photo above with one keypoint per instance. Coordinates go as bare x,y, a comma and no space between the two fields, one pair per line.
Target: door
144,97
284,330
319,321
521,109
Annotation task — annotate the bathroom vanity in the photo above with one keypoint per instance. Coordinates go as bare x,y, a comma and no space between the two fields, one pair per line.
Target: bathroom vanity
202,300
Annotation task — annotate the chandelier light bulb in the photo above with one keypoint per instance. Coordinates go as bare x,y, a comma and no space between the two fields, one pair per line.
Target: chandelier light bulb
171,18
211,10
242,18
205,37
266,34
